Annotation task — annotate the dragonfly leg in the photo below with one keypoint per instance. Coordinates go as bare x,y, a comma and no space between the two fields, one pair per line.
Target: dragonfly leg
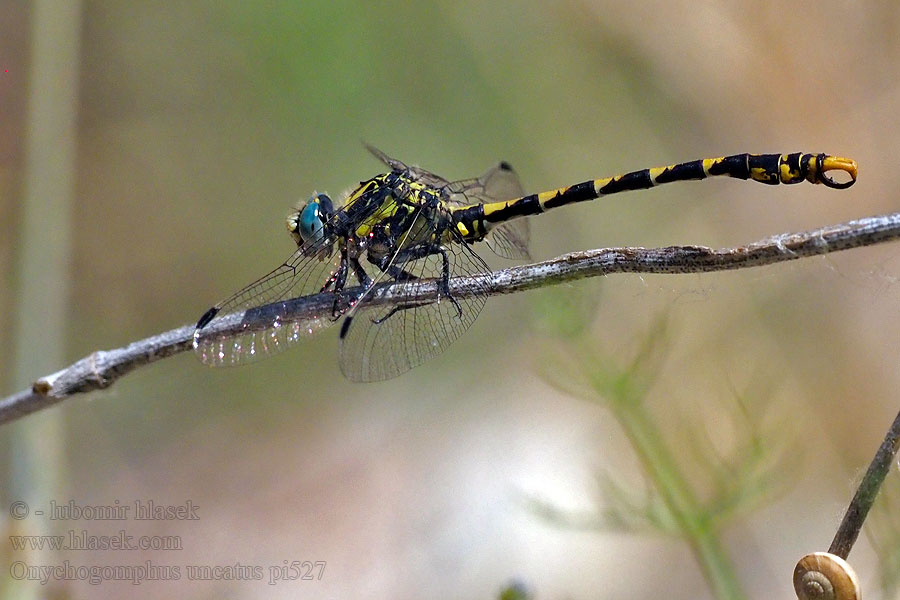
337,282
445,280
443,289
361,275
400,274
390,267
364,280
394,310
387,264
423,251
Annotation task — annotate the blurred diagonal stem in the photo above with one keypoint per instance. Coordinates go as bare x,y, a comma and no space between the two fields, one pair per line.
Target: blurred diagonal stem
684,507
37,468
584,371
102,368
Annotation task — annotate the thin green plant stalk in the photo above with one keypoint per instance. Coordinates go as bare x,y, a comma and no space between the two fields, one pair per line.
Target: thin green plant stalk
687,512
37,472
582,371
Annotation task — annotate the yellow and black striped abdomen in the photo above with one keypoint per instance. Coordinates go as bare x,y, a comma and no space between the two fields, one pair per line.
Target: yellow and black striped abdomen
474,222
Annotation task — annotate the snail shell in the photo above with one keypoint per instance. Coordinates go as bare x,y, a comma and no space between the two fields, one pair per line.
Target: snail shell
824,576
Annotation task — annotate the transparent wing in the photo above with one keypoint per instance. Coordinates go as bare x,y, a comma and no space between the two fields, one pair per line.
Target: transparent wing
252,345
393,163
383,342
414,172
500,182
309,270
298,276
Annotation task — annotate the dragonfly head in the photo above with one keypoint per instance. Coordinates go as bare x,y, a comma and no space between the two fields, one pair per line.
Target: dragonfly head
307,225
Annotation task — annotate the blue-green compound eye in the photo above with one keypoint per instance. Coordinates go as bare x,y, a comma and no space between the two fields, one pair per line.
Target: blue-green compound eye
311,221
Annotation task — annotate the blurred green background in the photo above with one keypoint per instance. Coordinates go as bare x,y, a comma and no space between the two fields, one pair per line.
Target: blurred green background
199,124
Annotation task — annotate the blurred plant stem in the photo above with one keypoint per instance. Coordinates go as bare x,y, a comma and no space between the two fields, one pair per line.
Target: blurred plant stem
582,370
44,247
683,506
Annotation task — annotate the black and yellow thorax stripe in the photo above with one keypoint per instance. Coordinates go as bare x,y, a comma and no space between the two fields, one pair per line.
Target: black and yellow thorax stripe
386,205
474,222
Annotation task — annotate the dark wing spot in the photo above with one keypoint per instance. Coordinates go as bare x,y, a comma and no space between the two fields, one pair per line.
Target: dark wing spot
345,326
207,317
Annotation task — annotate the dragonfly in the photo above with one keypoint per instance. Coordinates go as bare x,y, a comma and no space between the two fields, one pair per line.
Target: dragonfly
408,225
